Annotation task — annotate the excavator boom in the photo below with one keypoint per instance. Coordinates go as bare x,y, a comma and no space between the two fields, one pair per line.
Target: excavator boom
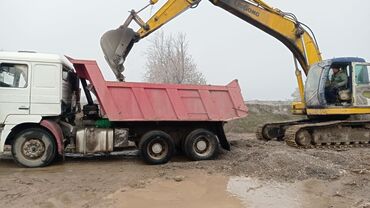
282,26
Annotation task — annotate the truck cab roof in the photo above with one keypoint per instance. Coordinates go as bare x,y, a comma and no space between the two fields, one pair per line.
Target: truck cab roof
36,57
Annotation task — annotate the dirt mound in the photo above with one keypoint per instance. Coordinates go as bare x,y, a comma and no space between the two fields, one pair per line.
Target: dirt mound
259,114
276,161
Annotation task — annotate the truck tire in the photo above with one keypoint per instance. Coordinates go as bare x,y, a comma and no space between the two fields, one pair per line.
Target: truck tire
156,147
201,144
34,147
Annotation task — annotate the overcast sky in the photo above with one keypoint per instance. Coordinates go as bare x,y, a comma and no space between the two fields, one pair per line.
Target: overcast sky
223,46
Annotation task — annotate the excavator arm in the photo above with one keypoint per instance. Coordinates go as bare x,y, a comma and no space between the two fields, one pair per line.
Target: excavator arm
166,13
283,26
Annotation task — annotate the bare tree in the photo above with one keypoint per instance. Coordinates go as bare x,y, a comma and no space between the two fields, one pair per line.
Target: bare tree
168,61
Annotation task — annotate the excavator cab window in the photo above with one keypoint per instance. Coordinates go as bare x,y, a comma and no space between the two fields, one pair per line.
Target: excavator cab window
361,84
314,93
361,74
338,87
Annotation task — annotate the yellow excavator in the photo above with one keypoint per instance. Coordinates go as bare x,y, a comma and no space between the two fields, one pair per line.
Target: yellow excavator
336,90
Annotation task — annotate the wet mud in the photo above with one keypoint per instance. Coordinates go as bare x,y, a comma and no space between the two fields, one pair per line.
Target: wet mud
253,174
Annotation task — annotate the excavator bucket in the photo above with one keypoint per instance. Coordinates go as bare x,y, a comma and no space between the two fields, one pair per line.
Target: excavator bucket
116,44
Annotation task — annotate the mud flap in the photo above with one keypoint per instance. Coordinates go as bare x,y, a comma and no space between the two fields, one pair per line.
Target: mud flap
222,137
116,44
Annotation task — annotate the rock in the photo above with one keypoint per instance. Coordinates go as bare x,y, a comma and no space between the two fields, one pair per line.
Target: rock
360,171
139,185
233,143
361,204
248,145
338,194
199,167
226,168
179,178
367,205
353,183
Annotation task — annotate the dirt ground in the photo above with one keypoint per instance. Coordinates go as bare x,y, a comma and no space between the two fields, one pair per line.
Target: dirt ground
253,174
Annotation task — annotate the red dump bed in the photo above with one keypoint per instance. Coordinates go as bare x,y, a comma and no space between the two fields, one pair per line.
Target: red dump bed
128,101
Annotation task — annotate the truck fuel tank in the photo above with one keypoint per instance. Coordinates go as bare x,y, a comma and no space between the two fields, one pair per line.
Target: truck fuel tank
100,140
93,140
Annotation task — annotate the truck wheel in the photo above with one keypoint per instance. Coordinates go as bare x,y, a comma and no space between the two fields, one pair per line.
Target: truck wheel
34,147
156,147
201,144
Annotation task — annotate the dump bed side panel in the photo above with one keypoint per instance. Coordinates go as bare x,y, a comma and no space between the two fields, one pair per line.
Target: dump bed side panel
128,101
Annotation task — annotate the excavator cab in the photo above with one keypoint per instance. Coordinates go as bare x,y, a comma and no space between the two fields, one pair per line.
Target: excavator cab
353,91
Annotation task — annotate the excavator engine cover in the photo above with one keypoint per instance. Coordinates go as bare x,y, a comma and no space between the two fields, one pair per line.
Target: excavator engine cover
116,44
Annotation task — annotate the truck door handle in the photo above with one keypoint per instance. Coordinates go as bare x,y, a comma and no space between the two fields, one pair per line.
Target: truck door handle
23,108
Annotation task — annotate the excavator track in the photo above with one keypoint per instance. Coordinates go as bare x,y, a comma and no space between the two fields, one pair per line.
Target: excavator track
259,133
269,131
330,135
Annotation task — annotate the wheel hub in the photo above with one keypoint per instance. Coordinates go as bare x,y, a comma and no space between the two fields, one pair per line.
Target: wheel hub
33,148
157,148
201,145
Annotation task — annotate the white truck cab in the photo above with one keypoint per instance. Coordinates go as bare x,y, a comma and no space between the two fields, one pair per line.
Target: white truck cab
32,86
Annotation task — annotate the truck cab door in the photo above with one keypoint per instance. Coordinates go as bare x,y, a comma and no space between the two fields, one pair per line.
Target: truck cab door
361,84
46,89
14,89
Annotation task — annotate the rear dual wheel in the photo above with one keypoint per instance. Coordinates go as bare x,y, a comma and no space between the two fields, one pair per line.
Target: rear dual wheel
200,144
157,147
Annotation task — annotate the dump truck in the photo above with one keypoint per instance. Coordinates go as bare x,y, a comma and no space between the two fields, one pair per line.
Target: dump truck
41,117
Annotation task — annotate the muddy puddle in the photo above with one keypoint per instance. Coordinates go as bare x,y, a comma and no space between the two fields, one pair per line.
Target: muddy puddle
259,194
191,189
97,184
199,189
